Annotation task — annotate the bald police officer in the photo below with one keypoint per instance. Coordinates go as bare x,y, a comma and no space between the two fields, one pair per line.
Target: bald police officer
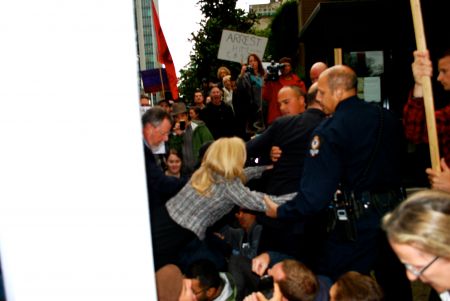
357,151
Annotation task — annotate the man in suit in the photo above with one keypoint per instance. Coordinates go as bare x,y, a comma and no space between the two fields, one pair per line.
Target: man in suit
156,126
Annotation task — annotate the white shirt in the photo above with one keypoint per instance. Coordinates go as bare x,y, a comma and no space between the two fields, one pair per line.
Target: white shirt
227,289
445,296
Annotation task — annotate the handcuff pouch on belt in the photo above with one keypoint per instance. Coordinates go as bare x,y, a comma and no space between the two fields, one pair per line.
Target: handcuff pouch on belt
346,209
343,212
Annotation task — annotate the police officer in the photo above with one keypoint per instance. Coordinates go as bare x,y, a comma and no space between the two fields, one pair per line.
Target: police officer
356,151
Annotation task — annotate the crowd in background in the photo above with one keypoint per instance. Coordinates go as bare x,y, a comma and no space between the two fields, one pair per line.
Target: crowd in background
230,174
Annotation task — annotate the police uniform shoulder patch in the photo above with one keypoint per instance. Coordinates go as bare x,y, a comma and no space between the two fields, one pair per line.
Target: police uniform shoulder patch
315,146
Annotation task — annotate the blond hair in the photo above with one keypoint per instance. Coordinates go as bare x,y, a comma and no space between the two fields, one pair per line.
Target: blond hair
422,221
225,157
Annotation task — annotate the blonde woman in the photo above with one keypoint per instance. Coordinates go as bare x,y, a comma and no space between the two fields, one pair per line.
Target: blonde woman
213,190
419,233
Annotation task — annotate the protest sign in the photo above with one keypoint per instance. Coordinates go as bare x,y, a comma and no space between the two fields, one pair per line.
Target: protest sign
236,46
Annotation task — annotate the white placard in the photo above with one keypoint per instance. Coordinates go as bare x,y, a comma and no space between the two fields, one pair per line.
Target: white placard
236,46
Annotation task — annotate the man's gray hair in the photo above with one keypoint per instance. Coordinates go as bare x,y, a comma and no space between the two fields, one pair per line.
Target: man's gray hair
155,116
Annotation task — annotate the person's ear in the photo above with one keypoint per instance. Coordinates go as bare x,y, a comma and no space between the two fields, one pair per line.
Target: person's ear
148,128
339,93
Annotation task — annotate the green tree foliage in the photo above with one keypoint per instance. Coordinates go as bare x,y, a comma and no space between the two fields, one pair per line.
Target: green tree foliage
283,34
217,15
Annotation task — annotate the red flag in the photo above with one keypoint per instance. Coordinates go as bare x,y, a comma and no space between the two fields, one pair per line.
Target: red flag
164,56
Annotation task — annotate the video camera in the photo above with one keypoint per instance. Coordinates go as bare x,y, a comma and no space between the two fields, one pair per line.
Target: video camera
250,69
273,71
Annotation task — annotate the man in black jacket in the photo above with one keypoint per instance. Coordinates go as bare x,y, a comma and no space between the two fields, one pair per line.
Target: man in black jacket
291,136
157,123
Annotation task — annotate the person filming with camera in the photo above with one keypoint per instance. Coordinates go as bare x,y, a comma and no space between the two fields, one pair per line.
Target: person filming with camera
187,137
247,102
277,77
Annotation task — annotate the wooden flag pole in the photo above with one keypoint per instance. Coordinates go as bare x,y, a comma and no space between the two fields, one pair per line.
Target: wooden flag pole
427,88
338,56
162,83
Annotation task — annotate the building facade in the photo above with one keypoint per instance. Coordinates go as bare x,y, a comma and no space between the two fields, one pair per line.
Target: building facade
145,34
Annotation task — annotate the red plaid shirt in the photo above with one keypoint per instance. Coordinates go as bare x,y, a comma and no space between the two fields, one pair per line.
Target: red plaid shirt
416,129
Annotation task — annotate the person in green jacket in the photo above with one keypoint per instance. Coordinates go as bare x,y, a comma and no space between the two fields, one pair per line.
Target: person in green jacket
187,137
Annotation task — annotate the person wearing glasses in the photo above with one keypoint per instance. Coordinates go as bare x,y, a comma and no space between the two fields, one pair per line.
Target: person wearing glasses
419,233
156,126
208,283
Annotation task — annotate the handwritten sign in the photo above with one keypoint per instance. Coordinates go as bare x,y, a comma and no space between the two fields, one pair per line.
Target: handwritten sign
236,46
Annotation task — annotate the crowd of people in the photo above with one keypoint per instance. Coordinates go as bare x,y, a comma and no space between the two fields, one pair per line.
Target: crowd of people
266,189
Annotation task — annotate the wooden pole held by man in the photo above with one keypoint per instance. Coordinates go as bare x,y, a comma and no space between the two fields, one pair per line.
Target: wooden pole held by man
427,88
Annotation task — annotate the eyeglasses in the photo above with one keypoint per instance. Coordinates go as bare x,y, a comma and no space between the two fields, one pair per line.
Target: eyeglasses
419,272
163,133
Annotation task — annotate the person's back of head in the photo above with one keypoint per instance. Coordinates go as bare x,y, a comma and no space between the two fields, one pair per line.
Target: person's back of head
353,286
341,77
299,283
224,157
315,71
311,100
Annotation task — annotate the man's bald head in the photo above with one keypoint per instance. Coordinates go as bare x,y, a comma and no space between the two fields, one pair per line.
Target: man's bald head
341,77
335,85
291,100
316,70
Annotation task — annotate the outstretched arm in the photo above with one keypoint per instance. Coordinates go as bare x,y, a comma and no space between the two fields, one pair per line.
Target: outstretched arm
242,196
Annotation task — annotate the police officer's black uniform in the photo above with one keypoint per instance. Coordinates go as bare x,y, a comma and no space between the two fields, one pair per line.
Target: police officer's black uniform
358,150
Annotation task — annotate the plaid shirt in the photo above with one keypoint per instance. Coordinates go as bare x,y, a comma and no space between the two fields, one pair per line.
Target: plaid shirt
197,212
416,129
